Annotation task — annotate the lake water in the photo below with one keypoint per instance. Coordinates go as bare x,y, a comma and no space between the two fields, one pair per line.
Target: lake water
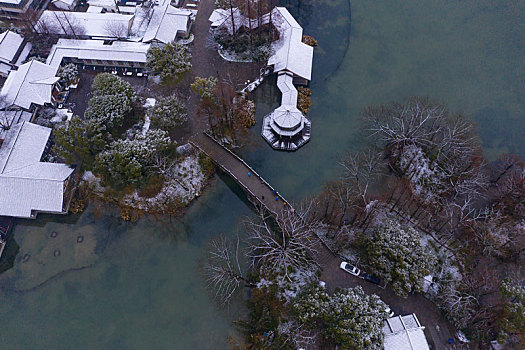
136,286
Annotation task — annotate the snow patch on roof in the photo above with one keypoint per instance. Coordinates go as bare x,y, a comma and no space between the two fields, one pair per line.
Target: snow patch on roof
84,23
10,43
291,54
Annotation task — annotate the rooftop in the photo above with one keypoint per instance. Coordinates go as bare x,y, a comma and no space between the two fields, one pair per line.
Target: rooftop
97,50
166,22
12,2
10,42
404,333
105,25
32,83
27,184
12,118
291,54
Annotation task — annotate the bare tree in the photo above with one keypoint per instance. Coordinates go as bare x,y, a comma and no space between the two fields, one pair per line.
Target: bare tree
62,23
415,122
285,244
116,29
459,305
361,169
505,167
298,335
457,139
232,18
47,26
223,269
27,21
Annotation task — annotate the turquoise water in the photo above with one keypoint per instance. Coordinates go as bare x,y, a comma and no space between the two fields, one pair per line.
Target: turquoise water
142,286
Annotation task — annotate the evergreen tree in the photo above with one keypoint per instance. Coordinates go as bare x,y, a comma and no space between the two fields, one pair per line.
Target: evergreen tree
170,62
396,254
167,113
351,318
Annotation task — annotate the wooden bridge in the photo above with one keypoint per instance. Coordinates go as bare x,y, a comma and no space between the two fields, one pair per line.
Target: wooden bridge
259,192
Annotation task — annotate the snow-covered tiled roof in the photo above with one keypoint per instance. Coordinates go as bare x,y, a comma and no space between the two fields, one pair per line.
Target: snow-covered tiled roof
404,333
31,83
97,50
291,54
104,25
11,51
26,184
166,22
287,118
10,43
107,4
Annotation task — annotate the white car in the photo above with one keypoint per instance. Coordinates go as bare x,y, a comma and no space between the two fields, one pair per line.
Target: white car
351,269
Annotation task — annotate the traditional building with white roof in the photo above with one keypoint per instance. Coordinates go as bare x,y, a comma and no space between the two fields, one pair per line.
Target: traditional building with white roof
29,186
33,84
13,51
65,4
161,23
291,54
12,9
97,53
286,128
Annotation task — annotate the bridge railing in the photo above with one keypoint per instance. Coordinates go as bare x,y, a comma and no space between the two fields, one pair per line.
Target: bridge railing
246,165
247,189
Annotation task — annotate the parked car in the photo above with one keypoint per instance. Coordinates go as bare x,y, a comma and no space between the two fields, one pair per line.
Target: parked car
371,278
351,269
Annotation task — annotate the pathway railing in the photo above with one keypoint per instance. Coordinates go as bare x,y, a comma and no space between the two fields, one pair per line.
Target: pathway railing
246,165
245,188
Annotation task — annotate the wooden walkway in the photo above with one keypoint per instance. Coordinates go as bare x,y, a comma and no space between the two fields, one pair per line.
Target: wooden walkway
257,189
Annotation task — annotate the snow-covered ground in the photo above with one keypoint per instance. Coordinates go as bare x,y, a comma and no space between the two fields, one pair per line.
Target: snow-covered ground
423,175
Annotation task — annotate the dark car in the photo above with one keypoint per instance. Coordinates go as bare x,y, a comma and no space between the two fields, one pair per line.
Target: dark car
371,278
